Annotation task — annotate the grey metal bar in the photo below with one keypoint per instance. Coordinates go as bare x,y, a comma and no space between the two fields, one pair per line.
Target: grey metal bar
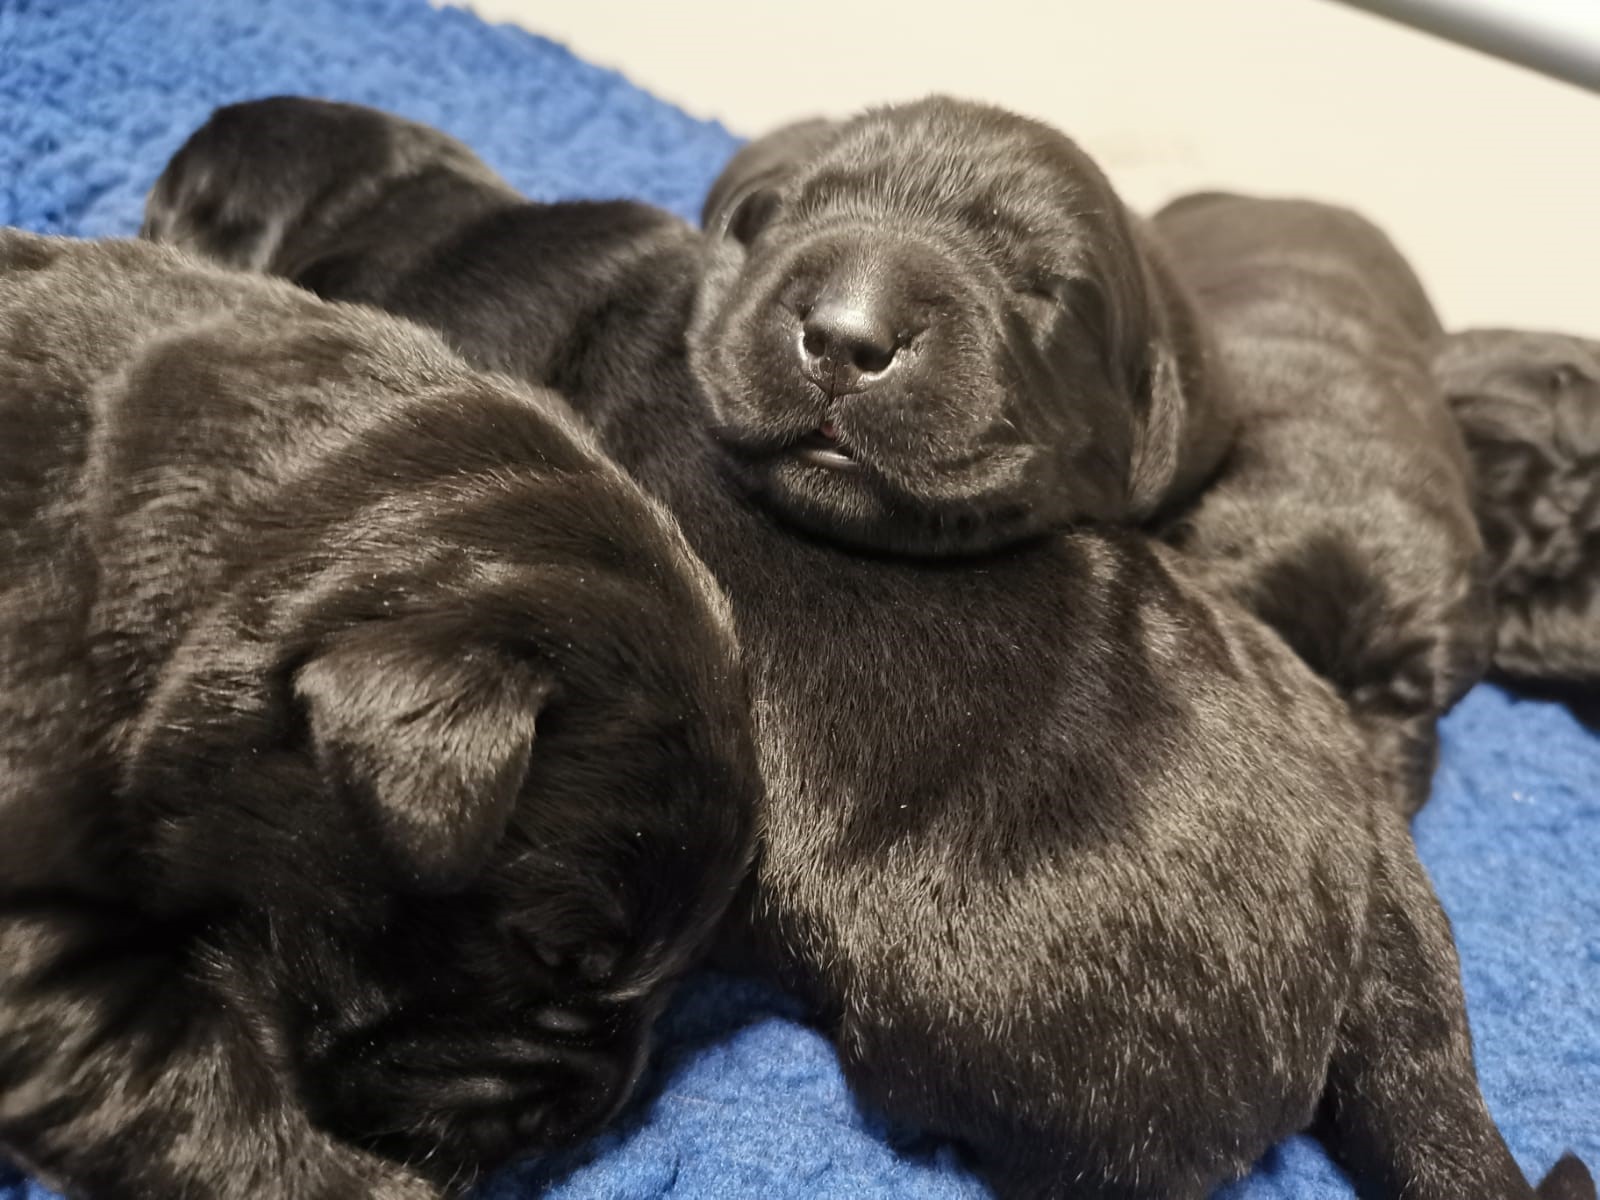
1557,39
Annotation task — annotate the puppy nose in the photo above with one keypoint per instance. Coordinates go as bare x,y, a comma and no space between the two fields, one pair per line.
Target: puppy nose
849,332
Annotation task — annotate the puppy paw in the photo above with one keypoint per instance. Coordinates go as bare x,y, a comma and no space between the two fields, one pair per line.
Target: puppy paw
1569,1179
453,1102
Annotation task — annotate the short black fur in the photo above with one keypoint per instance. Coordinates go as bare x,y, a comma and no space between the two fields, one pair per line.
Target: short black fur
375,755
1078,864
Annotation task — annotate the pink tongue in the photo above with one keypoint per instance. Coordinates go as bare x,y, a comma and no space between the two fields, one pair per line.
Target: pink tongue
829,430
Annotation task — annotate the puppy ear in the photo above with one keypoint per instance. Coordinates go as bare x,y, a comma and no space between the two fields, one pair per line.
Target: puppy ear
749,216
217,198
1185,427
746,196
1157,444
428,737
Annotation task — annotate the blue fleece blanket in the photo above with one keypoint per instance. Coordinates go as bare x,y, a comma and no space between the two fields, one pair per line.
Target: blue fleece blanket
745,1099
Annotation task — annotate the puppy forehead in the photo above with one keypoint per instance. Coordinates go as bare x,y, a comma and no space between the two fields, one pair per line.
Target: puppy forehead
948,161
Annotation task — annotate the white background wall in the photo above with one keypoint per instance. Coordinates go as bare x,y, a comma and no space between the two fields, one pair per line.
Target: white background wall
1487,175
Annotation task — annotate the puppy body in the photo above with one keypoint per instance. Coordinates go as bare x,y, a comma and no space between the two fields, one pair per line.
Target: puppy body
287,590
1529,406
1342,512
1078,865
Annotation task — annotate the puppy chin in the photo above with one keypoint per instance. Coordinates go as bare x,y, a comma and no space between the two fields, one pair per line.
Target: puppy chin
852,507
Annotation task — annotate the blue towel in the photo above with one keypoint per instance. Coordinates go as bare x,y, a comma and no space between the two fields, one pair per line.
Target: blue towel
745,1099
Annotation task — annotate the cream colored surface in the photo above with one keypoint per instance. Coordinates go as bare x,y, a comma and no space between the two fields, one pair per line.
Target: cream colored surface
1487,175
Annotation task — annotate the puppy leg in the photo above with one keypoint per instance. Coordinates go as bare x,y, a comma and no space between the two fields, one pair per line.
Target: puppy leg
1406,746
1406,676
123,1075
1403,1106
1401,651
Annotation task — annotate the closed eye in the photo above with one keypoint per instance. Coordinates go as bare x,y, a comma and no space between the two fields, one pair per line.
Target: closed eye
1047,289
1079,296
1563,377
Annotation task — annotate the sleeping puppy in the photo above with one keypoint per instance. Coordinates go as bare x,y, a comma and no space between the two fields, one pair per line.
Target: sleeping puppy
1343,513
1077,864
1335,501
1529,404
375,754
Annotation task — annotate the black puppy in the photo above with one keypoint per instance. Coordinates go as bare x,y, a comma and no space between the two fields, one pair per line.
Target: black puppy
375,755
995,324
1077,864
1342,514
1529,404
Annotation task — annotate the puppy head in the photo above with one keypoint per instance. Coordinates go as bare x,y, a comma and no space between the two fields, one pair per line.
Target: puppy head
1529,407
934,329
261,184
483,871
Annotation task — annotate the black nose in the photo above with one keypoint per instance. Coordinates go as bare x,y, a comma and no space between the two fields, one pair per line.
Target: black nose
849,333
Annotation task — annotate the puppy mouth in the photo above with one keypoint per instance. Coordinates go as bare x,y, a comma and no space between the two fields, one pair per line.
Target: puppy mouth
823,447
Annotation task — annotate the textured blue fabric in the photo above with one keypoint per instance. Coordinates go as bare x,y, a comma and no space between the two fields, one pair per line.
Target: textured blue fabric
745,1099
